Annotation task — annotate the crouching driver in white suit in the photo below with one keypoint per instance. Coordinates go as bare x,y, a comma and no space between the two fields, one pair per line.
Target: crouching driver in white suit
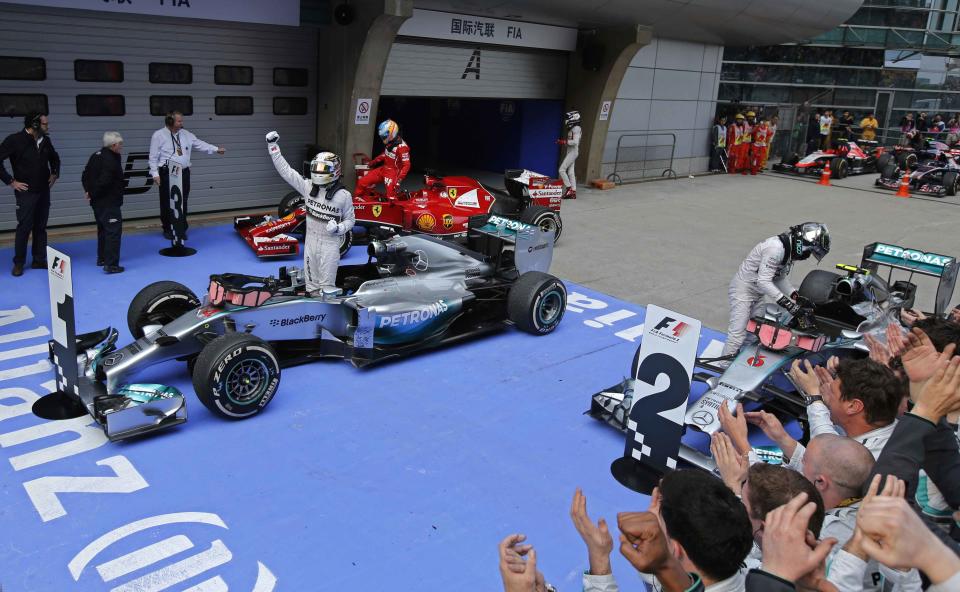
764,274
329,213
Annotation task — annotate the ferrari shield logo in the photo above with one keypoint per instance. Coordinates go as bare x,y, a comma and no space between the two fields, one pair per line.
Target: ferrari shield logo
447,221
376,211
452,192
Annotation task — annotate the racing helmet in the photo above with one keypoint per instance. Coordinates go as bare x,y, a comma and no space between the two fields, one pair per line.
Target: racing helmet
809,238
571,117
388,130
325,168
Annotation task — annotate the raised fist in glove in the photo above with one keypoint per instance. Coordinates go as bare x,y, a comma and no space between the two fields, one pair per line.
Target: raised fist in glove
272,137
332,226
561,141
792,306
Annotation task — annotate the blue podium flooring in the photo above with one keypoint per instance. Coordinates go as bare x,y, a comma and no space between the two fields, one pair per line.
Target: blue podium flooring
402,476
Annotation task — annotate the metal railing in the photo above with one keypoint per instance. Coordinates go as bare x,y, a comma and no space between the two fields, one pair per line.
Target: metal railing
636,158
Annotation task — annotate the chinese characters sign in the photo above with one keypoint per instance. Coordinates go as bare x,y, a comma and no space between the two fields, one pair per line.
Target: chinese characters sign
461,27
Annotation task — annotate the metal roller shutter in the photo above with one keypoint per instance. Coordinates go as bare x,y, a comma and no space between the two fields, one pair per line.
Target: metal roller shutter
244,177
443,70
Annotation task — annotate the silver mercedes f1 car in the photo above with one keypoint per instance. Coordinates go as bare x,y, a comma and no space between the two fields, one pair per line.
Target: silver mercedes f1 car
414,292
844,307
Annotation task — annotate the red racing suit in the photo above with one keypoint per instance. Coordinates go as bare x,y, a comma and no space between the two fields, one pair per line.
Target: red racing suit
396,165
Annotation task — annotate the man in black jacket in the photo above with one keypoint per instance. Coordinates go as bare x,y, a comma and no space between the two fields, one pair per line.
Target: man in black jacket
103,187
36,166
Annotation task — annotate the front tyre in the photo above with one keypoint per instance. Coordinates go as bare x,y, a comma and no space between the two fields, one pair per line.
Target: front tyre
536,303
158,304
548,220
236,375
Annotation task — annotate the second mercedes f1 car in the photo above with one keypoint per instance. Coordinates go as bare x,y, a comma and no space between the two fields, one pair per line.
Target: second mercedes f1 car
845,307
442,208
415,292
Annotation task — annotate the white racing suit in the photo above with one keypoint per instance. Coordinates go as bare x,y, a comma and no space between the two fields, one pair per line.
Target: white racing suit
568,174
763,273
321,247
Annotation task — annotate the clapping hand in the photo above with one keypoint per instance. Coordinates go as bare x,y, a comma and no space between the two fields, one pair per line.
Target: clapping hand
732,465
518,566
595,536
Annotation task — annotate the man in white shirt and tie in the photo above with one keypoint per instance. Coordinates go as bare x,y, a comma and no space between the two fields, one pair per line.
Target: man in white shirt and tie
172,143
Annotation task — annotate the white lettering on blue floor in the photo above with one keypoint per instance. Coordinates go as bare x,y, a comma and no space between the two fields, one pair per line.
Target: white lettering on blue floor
52,495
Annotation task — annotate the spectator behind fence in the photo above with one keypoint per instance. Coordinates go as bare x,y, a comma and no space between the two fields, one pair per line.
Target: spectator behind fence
907,125
869,125
826,127
103,187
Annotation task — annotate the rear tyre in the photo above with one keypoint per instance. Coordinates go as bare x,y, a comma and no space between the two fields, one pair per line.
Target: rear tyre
818,285
950,183
346,241
890,171
883,160
236,375
907,160
158,304
289,203
536,303
545,218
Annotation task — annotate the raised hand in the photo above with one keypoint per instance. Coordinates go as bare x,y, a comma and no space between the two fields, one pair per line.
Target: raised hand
803,374
732,465
785,550
735,426
941,394
595,536
518,575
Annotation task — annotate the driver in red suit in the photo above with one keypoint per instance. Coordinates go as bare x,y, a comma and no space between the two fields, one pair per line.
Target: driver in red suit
395,160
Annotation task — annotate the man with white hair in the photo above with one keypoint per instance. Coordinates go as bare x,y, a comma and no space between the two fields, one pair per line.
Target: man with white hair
103,187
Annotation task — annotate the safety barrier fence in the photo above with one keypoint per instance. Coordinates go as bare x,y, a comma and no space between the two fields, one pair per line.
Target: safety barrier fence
801,142
642,156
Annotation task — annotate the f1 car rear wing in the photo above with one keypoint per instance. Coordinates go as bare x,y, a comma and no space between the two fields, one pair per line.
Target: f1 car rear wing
533,248
943,267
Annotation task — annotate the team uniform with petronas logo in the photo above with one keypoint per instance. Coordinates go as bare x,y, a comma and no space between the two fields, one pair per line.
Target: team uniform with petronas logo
321,245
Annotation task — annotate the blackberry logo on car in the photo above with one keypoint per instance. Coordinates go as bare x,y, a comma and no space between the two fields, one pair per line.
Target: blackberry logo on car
304,318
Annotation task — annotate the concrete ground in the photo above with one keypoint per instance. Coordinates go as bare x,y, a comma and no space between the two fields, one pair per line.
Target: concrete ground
677,243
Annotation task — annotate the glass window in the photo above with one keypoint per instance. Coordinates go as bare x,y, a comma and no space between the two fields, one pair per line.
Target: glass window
97,71
289,105
233,105
290,76
13,68
100,105
162,104
233,75
161,73
12,105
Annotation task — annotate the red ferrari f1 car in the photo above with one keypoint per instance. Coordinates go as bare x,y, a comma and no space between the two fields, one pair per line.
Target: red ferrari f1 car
442,208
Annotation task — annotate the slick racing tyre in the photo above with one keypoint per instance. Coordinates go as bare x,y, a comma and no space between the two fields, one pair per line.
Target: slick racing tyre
236,375
289,203
536,302
839,167
346,241
950,183
890,171
158,304
907,160
883,160
545,218
818,285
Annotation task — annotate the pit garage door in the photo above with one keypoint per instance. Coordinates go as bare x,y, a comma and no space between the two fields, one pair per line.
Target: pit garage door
120,72
445,70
